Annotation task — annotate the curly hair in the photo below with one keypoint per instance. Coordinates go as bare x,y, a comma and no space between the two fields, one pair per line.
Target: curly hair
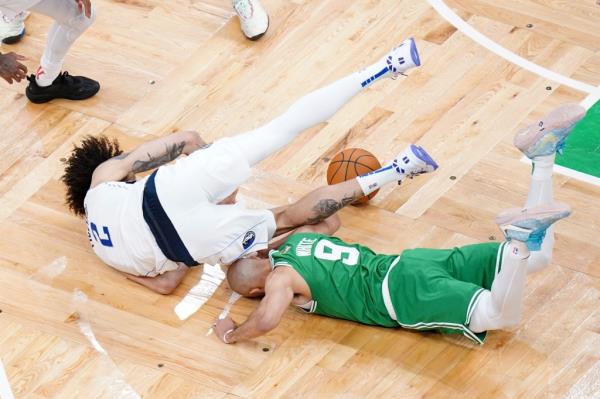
80,166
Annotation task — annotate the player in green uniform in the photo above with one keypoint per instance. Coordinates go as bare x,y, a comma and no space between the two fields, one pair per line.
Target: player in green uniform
467,290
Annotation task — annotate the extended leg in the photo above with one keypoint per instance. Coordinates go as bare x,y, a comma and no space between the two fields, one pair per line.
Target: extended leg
69,23
540,142
49,83
320,105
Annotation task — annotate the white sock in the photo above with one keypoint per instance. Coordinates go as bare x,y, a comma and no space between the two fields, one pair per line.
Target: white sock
375,180
373,73
44,76
540,193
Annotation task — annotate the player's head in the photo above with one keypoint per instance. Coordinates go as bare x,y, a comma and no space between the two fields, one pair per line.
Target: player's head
247,276
80,166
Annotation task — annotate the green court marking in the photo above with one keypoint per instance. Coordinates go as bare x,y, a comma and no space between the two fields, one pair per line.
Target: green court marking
582,150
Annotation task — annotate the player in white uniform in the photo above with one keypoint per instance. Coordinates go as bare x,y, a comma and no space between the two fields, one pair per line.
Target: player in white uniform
71,19
184,213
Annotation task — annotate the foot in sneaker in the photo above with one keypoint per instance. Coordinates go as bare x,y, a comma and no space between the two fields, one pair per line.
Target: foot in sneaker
530,225
548,135
413,161
403,57
64,86
253,18
12,30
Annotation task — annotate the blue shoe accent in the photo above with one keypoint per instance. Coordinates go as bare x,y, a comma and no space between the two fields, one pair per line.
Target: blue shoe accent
532,231
534,242
414,53
423,156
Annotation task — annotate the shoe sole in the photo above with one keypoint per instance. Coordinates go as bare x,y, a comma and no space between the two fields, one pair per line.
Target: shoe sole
423,156
14,39
414,53
513,216
565,116
255,38
40,99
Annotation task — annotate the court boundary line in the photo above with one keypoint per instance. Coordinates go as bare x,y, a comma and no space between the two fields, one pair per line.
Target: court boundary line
593,92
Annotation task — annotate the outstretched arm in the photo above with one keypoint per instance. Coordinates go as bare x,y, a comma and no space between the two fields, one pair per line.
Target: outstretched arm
164,283
316,206
278,296
149,155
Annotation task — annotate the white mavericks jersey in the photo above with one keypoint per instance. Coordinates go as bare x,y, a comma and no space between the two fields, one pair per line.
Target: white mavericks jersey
118,232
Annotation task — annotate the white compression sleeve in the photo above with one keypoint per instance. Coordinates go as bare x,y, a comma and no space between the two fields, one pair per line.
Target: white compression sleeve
314,108
501,306
540,193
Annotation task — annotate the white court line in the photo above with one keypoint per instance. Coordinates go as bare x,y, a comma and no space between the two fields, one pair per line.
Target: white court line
232,299
5,391
113,378
212,277
508,55
478,37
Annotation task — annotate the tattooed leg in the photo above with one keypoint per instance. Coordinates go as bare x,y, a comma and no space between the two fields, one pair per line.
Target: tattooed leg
316,206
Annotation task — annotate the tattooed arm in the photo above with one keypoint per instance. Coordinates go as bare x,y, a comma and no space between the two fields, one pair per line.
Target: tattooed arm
317,206
147,156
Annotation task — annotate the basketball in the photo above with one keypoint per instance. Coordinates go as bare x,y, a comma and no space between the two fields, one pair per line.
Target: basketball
348,164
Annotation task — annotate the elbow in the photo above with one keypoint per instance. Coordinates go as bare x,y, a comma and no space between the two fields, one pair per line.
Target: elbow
333,224
165,287
194,140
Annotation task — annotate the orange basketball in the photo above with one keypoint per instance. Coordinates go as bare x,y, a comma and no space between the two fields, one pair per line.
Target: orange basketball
350,163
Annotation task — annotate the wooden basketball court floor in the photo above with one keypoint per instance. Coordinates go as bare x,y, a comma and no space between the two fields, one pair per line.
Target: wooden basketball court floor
170,65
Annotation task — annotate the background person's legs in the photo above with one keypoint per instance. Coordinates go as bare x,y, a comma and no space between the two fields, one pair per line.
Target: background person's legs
69,23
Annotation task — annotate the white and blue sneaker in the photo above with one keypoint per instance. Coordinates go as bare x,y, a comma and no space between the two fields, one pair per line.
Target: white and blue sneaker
403,58
254,20
548,135
12,29
413,161
530,225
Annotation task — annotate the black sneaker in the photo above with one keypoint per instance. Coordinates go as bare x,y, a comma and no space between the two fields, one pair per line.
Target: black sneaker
64,86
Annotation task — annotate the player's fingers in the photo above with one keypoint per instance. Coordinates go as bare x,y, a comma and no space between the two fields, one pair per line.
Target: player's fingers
22,68
20,57
88,8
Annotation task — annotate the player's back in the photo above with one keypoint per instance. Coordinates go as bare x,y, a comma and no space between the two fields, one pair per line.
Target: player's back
345,279
118,232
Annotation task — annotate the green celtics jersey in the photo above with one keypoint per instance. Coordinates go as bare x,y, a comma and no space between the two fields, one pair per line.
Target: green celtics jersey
344,279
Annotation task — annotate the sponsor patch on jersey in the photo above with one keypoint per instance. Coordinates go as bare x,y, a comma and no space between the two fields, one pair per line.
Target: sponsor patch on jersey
248,239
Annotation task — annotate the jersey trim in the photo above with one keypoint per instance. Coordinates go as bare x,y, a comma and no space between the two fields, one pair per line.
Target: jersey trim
163,230
385,291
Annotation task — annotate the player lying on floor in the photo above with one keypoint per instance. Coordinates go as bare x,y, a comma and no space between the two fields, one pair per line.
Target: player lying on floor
183,213
467,290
